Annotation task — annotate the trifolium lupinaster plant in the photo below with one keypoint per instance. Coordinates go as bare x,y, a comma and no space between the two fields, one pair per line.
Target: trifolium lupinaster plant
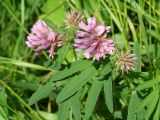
86,55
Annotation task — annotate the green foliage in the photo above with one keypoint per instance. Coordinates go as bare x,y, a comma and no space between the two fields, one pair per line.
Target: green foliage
73,86
70,87
92,98
108,93
74,68
3,105
41,93
55,10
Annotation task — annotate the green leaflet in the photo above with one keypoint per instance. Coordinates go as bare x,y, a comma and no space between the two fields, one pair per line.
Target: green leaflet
75,67
75,106
76,83
118,114
133,104
70,104
42,92
152,105
106,69
26,85
148,99
48,116
63,110
92,98
147,84
108,93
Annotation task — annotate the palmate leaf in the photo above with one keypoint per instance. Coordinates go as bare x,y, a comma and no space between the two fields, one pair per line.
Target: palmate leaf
75,67
76,83
92,98
42,92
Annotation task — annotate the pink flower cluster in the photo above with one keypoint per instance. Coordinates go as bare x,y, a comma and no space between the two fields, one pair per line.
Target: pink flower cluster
92,39
42,37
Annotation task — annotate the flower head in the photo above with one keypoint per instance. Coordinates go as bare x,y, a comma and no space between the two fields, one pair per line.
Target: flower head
73,18
42,37
92,39
126,62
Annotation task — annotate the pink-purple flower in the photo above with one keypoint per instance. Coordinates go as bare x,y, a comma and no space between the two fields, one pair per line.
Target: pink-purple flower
42,37
92,39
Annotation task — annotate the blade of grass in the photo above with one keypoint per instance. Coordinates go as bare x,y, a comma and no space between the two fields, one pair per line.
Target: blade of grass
20,99
21,63
13,15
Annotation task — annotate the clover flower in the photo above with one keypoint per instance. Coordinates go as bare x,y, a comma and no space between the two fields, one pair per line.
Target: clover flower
126,62
42,37
73,18
92,39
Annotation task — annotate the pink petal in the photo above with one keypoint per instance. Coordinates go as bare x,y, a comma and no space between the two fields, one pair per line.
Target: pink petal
100,30
82,34
51,52
52,36
32,37
83,26
97,56
28,44
87,54
92,22
43,46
